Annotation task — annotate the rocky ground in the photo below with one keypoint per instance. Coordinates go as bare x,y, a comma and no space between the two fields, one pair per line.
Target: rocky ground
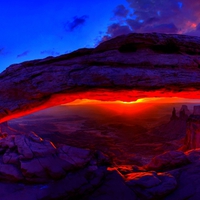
126,139
35,168
125,68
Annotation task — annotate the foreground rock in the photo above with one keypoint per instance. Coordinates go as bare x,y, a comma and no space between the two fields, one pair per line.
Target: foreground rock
29,158
34,168
138,65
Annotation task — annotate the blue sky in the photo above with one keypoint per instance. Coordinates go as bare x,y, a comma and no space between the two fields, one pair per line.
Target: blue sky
40,28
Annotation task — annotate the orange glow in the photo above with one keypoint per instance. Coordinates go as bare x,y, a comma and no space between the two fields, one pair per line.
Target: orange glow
130,107
138,101
123,97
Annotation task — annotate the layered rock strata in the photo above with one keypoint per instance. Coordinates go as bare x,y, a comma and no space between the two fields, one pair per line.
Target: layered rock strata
125,68
192,140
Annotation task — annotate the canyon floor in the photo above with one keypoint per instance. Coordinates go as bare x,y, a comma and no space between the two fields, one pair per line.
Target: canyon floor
127,138
99,152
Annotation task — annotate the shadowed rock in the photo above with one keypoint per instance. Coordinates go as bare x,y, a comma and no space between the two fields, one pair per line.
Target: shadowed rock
192,139
125,68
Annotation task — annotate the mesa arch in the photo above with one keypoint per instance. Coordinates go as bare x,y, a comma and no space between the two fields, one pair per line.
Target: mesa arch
125,68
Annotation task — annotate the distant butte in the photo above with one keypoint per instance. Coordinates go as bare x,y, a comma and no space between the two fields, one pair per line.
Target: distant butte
125,68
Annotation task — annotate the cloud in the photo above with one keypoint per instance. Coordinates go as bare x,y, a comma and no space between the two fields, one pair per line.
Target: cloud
172,16
121,11
50,52
117,29
76,22
25,53
162,28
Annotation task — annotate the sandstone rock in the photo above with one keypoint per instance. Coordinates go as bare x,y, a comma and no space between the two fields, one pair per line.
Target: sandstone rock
151,185
10,172
33,168
53,166
76,156
7,141
143,179
41,148
113,187
168,184
184,111
23,147
167,160
192,139
140,65
11,158
6,130
34,137
196,110
188,183
193,155
101,158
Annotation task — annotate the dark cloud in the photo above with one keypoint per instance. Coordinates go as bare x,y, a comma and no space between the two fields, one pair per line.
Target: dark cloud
25,53
133,25
76,22
50,52
121,11
172,16
162,28
117,29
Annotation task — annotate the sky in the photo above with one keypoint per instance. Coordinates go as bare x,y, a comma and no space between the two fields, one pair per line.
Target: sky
41,28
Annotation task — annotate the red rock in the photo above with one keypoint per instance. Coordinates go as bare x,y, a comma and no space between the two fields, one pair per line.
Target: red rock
168,184
33,168
76,156
138,65
7,141
167,161
150,185
11,158
144,179
113,187
193,155
10,172
192,139
41,148
53,166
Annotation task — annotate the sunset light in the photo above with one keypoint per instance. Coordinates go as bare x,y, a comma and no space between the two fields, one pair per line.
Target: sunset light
138,101
100,100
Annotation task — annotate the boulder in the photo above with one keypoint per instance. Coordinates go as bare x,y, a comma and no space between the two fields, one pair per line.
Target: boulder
10,172
151,185
167,161
76,156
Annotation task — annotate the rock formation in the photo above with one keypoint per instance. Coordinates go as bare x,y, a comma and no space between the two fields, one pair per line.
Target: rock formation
174,116
35,169
125,68
184,112
192,140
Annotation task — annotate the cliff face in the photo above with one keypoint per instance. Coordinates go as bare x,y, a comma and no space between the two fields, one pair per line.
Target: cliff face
125,68
192,139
